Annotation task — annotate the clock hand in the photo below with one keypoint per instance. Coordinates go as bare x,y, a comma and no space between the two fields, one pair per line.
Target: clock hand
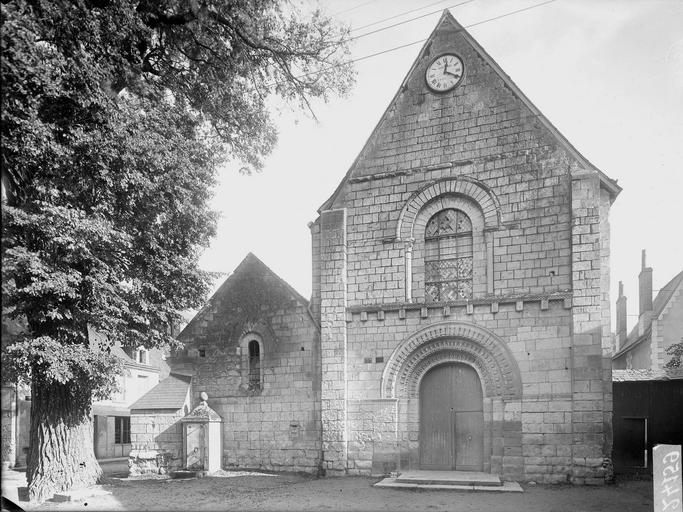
452,74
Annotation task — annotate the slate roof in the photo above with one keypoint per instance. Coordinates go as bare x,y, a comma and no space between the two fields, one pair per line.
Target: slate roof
658,305
647,375
665,294
170,393
250,264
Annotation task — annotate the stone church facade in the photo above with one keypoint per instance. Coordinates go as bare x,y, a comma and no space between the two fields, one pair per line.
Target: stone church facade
459,317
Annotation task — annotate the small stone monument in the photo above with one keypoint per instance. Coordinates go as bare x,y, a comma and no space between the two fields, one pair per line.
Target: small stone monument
202,438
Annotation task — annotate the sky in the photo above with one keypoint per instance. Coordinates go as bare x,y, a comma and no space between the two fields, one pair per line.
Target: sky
607,73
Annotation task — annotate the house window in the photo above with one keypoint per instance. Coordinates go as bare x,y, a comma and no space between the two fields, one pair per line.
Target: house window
448,256
122,430
141,356
120,394
254,365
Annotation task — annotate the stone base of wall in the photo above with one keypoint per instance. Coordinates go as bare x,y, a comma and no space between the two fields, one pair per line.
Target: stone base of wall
299,460
152,462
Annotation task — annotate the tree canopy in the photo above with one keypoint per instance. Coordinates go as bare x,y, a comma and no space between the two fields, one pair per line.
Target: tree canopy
675,350
116,116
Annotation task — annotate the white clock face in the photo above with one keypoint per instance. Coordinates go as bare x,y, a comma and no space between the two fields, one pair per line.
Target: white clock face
444,73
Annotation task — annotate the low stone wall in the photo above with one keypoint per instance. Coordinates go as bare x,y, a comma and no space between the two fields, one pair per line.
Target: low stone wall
157,441
151,462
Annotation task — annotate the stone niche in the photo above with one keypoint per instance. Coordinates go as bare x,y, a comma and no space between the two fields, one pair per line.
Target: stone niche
202,438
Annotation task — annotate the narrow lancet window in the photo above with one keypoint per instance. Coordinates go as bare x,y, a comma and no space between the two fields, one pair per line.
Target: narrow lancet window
254,365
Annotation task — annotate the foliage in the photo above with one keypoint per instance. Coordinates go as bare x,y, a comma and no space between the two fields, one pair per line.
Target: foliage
676,353
116,115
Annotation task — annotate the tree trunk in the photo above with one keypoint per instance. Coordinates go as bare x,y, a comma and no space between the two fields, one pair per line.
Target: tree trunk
61,456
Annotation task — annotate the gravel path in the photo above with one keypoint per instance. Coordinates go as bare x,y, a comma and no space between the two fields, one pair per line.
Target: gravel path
289,492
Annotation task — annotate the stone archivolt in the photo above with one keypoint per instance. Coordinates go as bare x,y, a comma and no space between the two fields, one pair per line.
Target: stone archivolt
450,342
460,187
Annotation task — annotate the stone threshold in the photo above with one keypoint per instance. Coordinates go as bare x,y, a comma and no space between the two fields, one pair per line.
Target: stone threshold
468,481
391,483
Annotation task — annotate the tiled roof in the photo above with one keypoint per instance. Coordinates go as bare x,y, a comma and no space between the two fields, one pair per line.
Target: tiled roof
645,375
170,393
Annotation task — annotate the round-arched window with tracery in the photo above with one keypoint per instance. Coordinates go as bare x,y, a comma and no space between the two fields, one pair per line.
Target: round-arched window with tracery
448,256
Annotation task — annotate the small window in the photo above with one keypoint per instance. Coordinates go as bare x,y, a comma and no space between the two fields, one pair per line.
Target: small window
119,395
122,430
141,356
254,365
202,352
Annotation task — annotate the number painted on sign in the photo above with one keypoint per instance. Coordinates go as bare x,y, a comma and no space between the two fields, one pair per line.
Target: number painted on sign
674,457
673,504
673,469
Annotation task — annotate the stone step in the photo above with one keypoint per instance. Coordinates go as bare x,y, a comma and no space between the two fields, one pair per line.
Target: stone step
426,477
391,483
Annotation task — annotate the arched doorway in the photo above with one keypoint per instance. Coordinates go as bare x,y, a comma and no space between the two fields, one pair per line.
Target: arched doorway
451,419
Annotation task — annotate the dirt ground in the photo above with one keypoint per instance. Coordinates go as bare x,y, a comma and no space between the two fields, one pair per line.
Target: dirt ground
288,492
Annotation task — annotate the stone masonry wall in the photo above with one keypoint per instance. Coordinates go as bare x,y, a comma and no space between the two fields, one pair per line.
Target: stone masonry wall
480,130
667,329
540,341
9,444
157,440
592,364
552,241
278,426
333,342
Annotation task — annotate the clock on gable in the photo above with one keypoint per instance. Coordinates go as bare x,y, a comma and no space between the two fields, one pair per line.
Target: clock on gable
445,72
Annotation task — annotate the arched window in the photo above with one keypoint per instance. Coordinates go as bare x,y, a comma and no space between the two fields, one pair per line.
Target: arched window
254,365
448,256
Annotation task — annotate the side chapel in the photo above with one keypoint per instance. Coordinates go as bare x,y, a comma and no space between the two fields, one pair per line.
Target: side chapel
460,313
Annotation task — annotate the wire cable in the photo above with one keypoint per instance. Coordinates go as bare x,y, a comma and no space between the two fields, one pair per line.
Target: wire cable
353,8
409,20
365,57
397,15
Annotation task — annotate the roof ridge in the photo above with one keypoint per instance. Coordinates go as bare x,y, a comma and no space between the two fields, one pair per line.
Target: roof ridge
215,298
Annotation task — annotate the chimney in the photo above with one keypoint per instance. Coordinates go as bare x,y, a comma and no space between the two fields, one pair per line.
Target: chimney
644,288
621,317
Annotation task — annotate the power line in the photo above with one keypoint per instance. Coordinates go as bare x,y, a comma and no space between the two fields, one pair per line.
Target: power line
353,8
397,15
510,13
409,20
365,57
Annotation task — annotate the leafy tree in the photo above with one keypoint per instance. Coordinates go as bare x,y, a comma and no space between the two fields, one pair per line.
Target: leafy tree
676,353
116,115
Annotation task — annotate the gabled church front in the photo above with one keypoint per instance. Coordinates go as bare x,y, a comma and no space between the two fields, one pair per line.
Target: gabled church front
459,318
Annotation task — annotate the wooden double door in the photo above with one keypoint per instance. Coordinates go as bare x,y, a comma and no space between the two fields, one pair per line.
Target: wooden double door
451,419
